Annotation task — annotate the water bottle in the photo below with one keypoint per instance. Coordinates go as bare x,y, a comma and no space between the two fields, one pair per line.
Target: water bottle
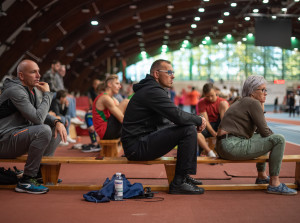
118,187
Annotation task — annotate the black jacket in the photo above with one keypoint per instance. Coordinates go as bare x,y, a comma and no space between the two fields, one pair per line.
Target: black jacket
146,110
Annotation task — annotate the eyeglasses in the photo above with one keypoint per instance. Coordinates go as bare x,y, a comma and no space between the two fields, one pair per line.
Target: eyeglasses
169,72
263,90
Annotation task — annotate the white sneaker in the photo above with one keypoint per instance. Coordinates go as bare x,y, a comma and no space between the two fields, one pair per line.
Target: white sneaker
76,121
70,140
63,143
211,154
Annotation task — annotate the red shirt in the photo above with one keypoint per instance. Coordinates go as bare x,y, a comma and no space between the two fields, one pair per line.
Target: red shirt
100,118
211,108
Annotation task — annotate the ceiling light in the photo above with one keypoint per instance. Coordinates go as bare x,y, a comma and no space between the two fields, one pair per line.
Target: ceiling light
244,39
85,10
70,54
140,39
250,34
207,38
220,44
168,24
135,17
164,46
137,26
201,9
297,0
94,22
274,16
247,18
132,6
239,42
190,32
139,33
59,48
206,0
228,35
293,37
27,28
45,40
197,18
298,18
284,9
233,4
185,41
226,13
203,42
194,26
265,1
167,31
220,21
166,37
106,39
170,6
169,16
255,10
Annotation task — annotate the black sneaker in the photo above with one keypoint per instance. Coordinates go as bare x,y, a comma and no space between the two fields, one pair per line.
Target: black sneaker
90,148
31,186
18,172
190,179
40,180
185,188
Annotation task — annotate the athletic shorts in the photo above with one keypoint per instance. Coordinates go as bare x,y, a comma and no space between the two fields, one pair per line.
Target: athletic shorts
114,127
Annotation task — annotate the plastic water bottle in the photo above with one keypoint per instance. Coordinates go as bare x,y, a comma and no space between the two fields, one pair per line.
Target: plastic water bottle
118,187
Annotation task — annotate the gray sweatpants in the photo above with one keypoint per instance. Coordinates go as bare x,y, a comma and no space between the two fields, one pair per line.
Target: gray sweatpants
37,141
235,148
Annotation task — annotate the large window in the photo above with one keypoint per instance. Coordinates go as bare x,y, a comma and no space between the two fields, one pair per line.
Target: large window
225,61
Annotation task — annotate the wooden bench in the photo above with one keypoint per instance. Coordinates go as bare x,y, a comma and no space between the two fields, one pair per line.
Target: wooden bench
50,167
110,148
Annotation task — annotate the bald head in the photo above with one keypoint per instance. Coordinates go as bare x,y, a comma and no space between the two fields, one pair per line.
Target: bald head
23,65
28,73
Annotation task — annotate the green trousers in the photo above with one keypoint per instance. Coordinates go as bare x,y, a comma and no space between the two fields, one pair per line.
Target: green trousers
235,148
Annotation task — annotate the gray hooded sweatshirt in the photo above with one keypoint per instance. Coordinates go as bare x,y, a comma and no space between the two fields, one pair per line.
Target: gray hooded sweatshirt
20,108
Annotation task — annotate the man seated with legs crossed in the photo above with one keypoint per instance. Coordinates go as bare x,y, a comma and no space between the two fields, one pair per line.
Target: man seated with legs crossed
108,113
145,135
25,126
212,108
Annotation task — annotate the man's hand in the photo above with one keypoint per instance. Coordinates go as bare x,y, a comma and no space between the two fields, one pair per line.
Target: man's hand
43,86
202,126
61,130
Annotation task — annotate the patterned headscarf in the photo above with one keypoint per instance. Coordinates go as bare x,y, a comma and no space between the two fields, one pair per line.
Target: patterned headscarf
251,84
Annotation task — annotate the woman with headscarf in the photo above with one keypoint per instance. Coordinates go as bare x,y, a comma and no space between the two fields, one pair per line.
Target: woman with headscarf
243,134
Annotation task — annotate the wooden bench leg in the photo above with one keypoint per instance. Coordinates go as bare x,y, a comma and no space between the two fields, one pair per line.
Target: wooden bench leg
297,175
170,170
50,173
110,150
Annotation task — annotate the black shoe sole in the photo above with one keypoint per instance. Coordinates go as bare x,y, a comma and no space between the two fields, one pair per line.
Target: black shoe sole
187,192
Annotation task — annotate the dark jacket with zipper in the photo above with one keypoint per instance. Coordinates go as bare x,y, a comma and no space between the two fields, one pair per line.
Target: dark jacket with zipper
147,109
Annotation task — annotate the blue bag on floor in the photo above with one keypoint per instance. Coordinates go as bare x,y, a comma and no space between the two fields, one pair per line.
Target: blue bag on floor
108,191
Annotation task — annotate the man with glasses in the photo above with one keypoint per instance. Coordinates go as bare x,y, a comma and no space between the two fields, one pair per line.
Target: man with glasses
145,135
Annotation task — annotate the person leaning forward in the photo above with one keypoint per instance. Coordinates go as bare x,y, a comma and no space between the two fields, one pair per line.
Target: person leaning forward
25,126
243,134
145,136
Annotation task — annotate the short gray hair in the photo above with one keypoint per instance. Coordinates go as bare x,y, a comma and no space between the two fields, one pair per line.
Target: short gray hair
251,84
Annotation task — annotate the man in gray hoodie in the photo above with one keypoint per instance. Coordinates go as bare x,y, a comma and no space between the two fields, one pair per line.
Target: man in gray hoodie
26,126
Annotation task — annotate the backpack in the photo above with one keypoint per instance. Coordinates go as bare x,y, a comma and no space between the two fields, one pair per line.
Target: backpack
7,177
